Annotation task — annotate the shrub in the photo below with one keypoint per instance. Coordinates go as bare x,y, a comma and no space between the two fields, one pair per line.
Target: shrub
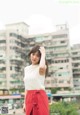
63,108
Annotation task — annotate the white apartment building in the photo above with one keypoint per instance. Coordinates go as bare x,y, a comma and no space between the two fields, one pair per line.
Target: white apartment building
75,53
61,62
12,55
58,56
15,44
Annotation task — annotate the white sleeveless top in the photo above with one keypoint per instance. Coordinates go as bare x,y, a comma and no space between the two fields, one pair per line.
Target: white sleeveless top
32,79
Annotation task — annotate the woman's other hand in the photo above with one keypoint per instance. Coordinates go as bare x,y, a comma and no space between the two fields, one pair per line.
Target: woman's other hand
24,107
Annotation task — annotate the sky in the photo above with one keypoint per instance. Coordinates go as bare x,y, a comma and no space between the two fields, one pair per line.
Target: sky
42,16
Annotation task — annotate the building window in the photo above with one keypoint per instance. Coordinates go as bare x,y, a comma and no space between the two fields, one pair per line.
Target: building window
2,76
60,36
11,68
2,41
62,41
47,82
61,81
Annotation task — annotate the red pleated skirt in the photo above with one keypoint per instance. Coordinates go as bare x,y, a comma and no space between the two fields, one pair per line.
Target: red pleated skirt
36,103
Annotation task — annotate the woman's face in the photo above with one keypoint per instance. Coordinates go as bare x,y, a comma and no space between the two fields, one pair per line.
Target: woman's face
34,58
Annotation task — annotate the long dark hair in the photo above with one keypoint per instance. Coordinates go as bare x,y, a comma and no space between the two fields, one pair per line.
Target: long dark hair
36,49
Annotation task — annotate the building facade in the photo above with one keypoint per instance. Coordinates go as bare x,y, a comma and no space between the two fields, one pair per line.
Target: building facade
58,56
12,55
15,44
75,54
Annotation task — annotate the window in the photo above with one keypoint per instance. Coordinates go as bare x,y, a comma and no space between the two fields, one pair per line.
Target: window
2,41
11,68
74,53
63,41
60,36
47,82
2,76
61,81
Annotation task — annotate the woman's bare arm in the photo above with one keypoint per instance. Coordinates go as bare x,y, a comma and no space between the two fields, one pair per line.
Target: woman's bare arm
42,66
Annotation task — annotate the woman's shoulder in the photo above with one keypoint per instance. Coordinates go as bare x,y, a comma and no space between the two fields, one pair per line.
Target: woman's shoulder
31,67
27,67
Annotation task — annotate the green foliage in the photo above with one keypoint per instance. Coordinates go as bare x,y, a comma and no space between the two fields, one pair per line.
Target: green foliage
54,90
63,108
67,88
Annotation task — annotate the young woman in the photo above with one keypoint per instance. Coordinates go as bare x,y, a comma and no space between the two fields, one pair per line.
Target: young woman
36,100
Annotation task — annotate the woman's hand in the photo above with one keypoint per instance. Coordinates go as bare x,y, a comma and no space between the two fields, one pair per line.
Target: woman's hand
42,50
24,107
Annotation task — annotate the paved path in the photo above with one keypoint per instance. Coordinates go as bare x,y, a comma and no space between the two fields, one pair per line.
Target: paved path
17,112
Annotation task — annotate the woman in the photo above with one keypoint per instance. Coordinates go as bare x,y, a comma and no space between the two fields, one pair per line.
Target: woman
36,101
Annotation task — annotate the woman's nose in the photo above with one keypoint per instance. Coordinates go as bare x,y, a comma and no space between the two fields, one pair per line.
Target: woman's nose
34,56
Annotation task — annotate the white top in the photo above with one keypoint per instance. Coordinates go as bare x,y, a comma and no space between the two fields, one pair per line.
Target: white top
32,79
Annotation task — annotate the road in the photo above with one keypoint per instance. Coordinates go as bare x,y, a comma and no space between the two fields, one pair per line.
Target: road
20,112
17,112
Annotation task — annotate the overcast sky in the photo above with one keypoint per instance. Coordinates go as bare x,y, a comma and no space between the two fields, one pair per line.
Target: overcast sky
43,15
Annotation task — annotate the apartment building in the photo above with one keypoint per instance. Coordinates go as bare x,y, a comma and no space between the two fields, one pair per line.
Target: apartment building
12,55
75,53
58,56
15,44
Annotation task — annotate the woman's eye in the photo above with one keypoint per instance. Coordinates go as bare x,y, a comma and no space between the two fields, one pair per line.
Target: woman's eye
37,55
33,54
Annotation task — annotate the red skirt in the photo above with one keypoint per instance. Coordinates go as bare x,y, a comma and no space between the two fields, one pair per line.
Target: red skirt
36,103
